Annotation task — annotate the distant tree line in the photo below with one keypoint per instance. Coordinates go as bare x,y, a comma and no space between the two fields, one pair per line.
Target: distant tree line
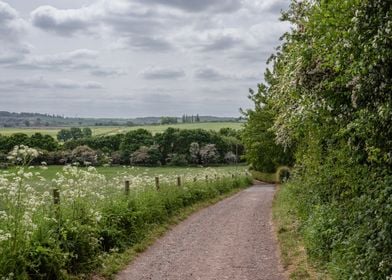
10,119
190,119
169,120
138,147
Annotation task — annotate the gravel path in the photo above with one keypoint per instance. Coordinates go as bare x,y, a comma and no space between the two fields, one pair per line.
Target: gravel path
232,239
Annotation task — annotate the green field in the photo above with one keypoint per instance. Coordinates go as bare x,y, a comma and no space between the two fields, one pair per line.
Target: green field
109,130
119,173
69,221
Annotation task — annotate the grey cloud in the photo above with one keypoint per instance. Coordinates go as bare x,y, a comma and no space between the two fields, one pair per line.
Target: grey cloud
222,43
129,23
70,84
62,22
80,59
34,83
11,24
253,56
154,73
267,7
10,58
222,6
29,84
7,12
145,43
157,98
276,6
61,59
134,24
209,74
101,72
66,84
209,41
151,43
92,85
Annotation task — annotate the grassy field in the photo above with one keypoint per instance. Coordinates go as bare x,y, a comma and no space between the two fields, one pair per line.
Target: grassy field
89,221
119,173
109,130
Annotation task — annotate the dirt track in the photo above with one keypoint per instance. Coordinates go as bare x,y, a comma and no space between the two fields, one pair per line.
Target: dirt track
232,239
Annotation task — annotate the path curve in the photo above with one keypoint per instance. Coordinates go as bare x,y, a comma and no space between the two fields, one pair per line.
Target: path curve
232,239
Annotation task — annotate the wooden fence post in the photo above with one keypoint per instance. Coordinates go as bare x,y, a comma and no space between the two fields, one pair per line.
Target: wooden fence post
207,178
56,202
56,197
126,187
178,181
194,179
157,183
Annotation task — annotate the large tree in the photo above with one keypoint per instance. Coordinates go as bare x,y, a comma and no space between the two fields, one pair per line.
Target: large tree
261,150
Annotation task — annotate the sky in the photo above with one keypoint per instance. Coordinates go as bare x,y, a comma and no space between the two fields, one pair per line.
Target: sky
133,58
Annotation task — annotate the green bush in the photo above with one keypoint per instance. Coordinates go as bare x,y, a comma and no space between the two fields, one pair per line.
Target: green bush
283,174
346,227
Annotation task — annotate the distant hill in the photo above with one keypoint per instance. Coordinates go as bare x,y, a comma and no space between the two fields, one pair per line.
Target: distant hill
11,119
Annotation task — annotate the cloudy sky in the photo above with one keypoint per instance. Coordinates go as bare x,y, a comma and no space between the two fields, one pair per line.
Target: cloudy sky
128,58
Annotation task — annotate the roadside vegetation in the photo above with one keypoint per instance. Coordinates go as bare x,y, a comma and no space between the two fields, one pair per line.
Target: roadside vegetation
71,227
327,103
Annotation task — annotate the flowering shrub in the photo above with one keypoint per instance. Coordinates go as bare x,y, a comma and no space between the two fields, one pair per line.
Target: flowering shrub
84,155
22,155
209,154
230,157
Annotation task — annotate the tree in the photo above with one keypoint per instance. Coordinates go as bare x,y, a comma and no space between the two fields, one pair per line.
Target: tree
169,120
76,133
261,150
87,132
44,142
64,135
17,139
134,139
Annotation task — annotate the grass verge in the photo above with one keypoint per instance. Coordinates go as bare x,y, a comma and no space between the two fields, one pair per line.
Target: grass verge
115,262
293,254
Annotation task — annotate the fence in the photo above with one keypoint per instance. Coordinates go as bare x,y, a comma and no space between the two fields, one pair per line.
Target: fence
127,184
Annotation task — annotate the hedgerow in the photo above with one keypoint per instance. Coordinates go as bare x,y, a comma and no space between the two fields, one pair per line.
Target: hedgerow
329,94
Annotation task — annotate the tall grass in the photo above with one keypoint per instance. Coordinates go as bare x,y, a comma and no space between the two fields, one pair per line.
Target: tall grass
43,240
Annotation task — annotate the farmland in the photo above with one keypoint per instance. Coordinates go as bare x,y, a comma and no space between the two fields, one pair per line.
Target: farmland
110,130
118,174
62,221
